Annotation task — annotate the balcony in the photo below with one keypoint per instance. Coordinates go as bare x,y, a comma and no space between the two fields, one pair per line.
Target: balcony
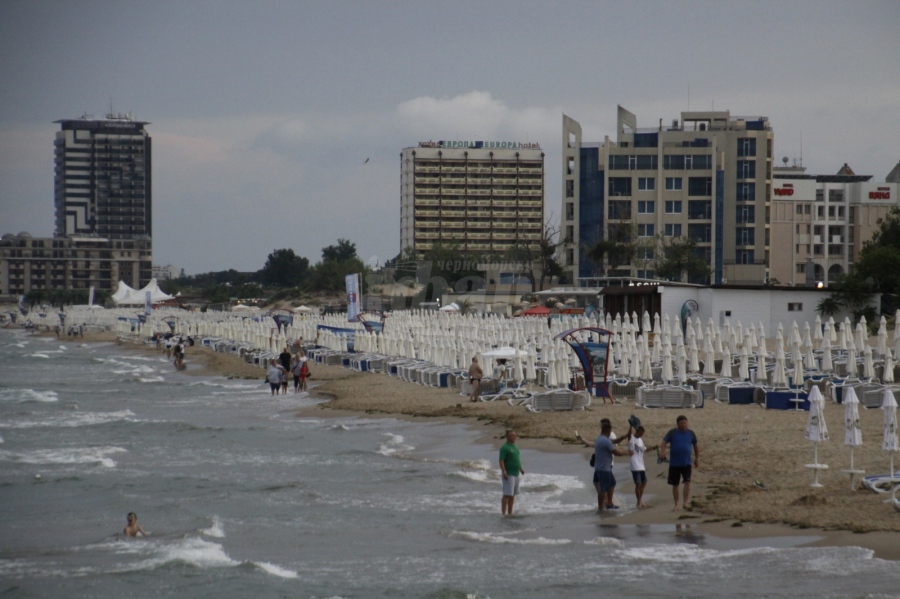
427,212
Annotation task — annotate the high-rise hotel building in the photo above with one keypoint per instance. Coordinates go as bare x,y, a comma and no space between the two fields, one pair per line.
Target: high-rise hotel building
103,205
483,197
707,177
102,179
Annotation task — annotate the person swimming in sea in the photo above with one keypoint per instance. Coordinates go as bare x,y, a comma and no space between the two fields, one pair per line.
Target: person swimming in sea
133,528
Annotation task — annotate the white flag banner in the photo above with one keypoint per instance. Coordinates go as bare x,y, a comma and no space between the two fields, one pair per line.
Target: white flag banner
352,282
91,296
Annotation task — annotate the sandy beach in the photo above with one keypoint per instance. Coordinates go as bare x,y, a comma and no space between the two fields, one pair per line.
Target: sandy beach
739,444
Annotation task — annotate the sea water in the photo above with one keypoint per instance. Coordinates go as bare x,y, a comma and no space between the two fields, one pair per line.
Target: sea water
243,498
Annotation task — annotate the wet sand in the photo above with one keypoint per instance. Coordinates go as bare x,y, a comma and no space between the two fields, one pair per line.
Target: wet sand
739,444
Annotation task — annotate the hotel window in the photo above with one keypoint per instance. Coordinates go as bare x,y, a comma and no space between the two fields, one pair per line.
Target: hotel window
801,267
746,192
746,146
699,209
799,208
745,235
699,186
646,230
746,169
673,183
570,188
646,183
646,207
620,186
673,230
619,209
673,206
570,210
747,214
744,257
701,233
795,307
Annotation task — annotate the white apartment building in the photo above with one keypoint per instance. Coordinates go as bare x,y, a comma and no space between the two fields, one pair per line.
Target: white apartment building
484,197
706,176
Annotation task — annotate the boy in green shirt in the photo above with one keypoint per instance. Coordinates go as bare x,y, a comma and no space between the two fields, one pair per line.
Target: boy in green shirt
511,469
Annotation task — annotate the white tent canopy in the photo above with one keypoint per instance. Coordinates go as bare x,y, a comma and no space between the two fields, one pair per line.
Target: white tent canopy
138,296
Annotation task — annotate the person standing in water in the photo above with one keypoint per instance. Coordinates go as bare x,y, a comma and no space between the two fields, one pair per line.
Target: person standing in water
132,528
510,470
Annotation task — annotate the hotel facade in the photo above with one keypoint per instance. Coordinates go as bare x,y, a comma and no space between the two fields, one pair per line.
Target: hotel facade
707,176
103,201
482,197
820,222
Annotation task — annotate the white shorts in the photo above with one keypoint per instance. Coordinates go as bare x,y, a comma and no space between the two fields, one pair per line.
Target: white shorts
510,486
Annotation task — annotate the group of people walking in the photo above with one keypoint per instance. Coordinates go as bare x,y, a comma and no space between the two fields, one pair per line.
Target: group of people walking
680,442
284,367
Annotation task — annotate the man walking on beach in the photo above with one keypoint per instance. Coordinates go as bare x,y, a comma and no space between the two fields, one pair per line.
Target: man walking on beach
510,469
475,375
604,450
683,440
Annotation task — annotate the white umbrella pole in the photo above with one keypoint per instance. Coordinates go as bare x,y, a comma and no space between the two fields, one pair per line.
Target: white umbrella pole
816,484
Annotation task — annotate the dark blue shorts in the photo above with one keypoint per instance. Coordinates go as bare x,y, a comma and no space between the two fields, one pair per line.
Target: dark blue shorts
604,480
639,476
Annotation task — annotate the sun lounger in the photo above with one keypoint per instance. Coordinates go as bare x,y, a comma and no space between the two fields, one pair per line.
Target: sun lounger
881,483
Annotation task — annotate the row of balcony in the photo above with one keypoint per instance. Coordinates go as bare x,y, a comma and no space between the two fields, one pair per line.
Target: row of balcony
479,224
483,203
480,192
478,169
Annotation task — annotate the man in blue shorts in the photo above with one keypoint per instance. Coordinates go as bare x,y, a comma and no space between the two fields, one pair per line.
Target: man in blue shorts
604,450
683,440
510,470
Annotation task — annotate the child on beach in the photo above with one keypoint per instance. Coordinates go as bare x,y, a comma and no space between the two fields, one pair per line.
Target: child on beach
638,470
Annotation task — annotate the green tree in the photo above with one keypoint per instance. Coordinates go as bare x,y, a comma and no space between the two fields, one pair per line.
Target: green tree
680,261
619,248
877,270
284,268
341,252
337,262
538,258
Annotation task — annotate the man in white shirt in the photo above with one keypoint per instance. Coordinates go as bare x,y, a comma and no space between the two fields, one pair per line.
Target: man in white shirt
638,471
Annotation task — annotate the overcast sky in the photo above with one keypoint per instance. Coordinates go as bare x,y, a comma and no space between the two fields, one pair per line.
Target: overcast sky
263,113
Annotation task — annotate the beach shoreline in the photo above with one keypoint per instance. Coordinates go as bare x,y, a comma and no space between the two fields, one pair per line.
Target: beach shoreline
739,445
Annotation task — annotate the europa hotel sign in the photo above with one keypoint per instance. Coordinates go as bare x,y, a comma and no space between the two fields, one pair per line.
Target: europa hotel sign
481,145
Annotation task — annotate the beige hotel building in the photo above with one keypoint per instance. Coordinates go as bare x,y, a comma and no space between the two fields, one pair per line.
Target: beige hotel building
484,197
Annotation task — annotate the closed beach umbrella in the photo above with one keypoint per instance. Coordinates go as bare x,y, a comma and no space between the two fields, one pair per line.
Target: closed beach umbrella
882,337
667,373
744,367
552,380
779,376
888,376
646,367
827,365
889,441
694,356
852,429
868,365
726,364
816,430
862,335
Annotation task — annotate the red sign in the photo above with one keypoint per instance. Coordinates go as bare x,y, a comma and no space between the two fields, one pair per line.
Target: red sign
879,195
784,192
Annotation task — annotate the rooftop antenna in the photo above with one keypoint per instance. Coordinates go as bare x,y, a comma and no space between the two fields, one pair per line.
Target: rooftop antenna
801,148
689,96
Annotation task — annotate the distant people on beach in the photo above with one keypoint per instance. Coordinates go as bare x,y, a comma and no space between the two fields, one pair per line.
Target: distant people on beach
132,528
604,450
475,376
295,370
510,470
274,376
638,469
304,372
683,441
168,346
178,352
